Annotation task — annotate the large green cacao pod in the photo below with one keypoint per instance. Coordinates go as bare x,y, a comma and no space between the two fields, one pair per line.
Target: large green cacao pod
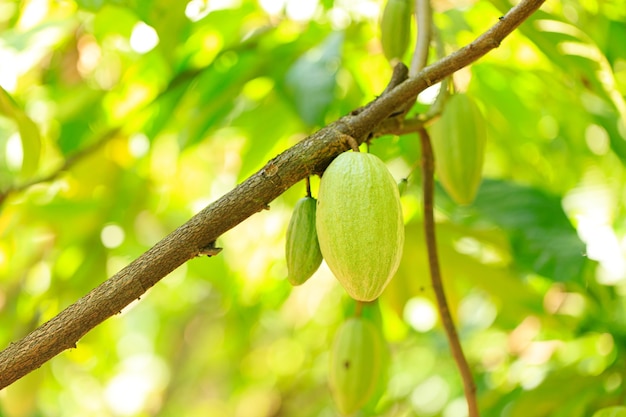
355,364
359,223
395,28
301,246
458,139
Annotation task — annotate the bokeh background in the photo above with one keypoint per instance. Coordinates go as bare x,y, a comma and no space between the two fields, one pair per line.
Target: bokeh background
120,119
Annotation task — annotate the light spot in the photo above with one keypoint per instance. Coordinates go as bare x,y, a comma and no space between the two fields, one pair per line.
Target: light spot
301,10
89,54
14,152
38,279
132,389
429,95
430,396
420,314
138,145
272,7
597,139
143,38
112,236
196,10
548,127
456,408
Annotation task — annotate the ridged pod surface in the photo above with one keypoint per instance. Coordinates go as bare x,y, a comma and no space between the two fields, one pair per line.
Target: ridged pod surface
301,246
458,139
355,364
395,28
359,224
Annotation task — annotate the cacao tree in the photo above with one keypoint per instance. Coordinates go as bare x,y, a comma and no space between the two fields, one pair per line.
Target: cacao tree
160,163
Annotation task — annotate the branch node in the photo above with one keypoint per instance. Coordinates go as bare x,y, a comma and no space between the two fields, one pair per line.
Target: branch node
270,169
209,250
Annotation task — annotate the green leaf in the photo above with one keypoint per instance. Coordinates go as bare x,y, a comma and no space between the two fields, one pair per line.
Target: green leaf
216,90
541,236
311,80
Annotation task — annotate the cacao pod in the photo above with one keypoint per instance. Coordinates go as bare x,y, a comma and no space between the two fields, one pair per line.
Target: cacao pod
355,364
458,139
301,246
359,223
395,29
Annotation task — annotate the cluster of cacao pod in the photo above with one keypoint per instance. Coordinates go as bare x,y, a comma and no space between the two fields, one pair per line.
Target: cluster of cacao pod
459,137
356,225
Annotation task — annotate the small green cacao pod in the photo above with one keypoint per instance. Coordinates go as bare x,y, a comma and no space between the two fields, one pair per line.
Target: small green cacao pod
301,247
458,139
395,29
356,362
359,223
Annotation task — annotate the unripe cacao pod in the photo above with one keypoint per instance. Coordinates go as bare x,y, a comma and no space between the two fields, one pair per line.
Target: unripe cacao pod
458,139
355,364
301,246
359,223
395,29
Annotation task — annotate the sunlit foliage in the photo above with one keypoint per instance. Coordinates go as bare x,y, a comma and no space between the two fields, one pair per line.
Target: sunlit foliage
121,119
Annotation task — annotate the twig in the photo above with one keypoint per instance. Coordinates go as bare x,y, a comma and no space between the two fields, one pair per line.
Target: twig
423,18
308,186
307,157
428,170
101,140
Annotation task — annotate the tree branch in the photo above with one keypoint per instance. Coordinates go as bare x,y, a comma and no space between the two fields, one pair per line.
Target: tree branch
423,18
311,156
428,169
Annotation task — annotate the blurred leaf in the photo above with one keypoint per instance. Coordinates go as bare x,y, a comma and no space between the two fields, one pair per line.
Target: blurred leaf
92,5
80,113
542,238
311,80
215,90
580,59
617,411
549,399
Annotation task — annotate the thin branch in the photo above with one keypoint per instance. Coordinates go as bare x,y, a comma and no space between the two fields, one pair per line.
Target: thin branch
395,126
69,162
311,156
428,186
423,18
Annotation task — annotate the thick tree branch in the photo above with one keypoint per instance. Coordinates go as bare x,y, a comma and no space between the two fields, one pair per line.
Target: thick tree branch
308,157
